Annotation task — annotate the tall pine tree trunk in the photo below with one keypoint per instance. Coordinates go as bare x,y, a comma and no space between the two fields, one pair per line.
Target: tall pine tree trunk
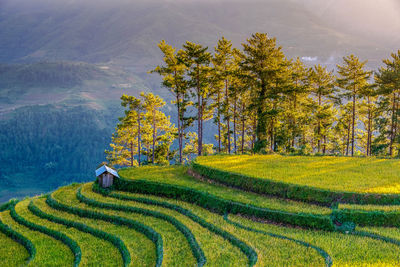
261,129
131,154
254,135
395,121
392,125
179,127
369,128
201,124
353,123
154,136
234,125
348,138
199,115
294,122
243,122
227,116
271,133
139,137
219,121
319,124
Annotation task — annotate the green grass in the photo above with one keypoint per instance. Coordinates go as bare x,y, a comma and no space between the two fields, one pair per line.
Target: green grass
135,242
390,232
94,250
345,250
141,249
176,175
217,250
224,241
12,253
362,175
271,251
49,252
389,208
176,247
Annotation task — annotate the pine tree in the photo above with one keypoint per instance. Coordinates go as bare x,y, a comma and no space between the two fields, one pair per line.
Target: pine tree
322,88
388,80
127,137
368,112
135,110
353,78
296,101
263,61
173,78
222,66
161,128
197,60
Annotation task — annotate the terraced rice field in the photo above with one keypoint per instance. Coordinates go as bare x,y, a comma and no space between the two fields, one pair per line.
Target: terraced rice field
362,175
161,216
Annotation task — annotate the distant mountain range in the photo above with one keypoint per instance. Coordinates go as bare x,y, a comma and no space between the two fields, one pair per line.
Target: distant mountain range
71,83
126,33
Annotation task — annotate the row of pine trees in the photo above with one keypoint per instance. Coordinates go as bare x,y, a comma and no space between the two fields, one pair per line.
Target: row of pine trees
261,101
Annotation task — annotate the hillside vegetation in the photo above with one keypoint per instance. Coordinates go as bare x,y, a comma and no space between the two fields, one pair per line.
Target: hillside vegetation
363,175
55,121
162,216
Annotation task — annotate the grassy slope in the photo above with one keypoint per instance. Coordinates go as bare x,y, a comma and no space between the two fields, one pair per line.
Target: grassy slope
345,250
395,208
176,248
49,252
140,248
334,173
217,250
94,250
12,253
391,232
271,251
177,176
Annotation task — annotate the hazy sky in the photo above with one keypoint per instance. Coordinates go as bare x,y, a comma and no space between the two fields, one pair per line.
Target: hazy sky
367,16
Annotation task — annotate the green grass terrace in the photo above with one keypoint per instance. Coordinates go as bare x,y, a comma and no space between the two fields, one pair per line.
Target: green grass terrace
360,175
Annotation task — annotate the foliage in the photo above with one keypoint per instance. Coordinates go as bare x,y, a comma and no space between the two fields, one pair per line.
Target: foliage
143,130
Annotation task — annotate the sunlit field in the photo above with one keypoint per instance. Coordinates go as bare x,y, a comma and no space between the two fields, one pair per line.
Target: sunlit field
363,175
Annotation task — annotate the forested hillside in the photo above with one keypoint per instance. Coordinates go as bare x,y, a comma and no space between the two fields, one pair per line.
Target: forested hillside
56,121
45,146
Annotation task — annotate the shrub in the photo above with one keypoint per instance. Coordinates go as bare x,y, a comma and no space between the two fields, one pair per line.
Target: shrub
222,206
368,218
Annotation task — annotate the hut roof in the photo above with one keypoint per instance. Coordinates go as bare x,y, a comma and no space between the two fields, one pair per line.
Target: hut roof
104,169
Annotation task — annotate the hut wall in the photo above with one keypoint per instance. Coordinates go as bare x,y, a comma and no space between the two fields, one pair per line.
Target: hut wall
106,180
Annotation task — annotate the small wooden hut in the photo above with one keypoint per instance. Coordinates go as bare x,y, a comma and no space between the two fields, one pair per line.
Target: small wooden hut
106,176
